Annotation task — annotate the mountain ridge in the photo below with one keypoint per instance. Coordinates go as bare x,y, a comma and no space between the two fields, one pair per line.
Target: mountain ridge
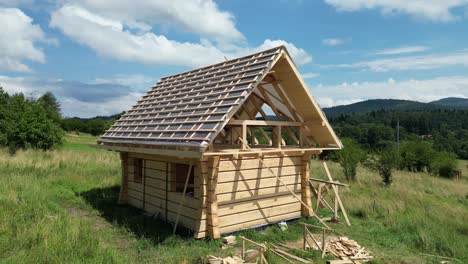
395,105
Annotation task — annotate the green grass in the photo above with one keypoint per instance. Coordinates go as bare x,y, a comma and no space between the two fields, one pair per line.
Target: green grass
79,142
60,206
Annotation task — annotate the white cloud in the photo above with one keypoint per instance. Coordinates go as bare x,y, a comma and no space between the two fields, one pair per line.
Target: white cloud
131,80
300,56
110,36
422,62
418,90
201,17
76,98
335,41
435,10
17,43
310,75
402,50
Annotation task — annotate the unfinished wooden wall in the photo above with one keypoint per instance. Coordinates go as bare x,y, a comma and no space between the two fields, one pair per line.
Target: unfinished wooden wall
155,195
249,195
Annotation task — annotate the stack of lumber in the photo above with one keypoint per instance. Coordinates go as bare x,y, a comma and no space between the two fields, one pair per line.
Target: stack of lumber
229,240
347,249
228,260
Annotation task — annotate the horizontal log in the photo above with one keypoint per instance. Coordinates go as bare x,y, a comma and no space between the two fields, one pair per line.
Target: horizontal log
250,174
250,185
245,206
253,163
263,214
227,197
259,222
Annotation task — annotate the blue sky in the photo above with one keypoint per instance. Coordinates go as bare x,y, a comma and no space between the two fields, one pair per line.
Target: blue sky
100,56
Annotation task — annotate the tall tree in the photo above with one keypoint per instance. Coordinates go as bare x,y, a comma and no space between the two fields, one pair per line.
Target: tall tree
49,102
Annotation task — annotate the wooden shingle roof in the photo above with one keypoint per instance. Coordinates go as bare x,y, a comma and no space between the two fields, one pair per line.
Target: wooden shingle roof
191,108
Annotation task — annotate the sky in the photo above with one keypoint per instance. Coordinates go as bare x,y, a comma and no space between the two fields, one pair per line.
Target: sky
99,56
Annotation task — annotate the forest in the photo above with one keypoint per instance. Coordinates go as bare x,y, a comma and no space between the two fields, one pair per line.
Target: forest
445,129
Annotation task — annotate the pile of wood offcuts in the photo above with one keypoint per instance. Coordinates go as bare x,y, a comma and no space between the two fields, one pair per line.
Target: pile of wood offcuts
347,249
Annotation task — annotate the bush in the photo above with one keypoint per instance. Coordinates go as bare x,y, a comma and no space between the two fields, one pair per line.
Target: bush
444,164
349,158
416,155
26,123
383,162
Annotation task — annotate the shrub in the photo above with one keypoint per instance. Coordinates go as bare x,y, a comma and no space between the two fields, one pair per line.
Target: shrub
444,164
26,123
349,158
416,155
383,162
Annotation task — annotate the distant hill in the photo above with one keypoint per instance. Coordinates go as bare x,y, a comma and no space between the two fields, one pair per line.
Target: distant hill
379,104
452,102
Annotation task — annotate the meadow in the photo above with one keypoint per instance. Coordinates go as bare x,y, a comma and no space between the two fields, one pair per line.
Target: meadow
60,207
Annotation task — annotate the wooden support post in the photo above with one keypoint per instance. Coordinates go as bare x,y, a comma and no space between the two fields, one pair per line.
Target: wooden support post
123,195
182,198
323,243
305,189
337,196
277,137
211,199
301,136
244,137
319,196
335,212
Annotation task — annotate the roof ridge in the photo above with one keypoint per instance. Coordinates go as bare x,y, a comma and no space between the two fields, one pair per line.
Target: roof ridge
219,63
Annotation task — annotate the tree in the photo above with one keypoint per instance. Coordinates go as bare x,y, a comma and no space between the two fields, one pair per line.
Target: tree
444,164
96,127
349,158
25,123
384,162
416,155
51,106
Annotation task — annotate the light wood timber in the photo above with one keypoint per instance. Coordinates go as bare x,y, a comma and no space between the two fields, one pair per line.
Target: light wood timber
182,198
320,220
123,195
335,189
212,201
306,199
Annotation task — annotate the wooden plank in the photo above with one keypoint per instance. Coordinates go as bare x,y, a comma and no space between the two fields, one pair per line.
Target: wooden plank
135,194
169,152
306,198
123,194
212,201
282,183
250,174
181,202
252,194
261,182
235,208
253,163
260,222
263,123
337,195
155,165
264,213
328,182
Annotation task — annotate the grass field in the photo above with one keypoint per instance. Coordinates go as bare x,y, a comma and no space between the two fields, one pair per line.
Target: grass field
60,206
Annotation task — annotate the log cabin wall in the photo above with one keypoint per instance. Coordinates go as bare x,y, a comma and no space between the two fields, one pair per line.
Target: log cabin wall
249,195
158,192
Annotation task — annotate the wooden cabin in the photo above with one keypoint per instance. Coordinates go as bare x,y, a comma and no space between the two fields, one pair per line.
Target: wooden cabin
223,148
